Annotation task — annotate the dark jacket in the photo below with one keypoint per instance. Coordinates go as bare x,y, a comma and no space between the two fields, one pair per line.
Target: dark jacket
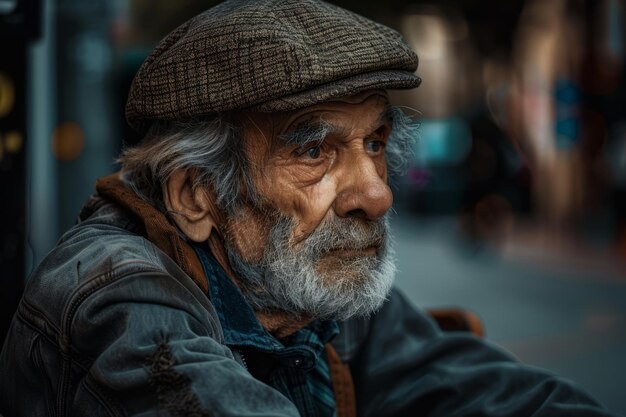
109,325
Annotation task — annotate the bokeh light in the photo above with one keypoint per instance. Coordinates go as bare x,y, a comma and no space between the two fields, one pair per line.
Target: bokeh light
7,95
68,141
13,141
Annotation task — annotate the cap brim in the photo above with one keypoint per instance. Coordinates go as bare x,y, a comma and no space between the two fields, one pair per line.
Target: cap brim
388,80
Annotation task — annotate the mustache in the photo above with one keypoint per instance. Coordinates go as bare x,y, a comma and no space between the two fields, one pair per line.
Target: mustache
336,233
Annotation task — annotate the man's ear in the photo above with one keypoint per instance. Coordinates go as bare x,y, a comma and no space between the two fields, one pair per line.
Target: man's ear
190,208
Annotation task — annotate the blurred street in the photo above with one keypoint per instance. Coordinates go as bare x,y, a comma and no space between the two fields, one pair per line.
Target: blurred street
572,322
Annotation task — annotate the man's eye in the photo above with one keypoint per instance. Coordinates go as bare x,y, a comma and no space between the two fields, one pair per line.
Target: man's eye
313,152
375,146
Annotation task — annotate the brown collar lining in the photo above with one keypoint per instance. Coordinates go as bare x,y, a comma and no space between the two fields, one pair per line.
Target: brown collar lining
158,229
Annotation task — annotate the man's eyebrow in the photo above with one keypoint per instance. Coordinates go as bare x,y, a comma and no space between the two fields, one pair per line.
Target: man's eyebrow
307,132
316,130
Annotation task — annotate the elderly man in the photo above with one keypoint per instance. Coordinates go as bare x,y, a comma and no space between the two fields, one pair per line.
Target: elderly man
240,263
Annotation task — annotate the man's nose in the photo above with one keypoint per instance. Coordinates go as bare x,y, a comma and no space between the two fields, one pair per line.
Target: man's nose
365,193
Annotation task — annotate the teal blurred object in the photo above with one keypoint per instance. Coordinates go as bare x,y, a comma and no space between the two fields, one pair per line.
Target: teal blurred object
567,119
442,142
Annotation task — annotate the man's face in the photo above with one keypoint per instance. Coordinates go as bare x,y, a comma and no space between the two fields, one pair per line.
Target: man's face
316,225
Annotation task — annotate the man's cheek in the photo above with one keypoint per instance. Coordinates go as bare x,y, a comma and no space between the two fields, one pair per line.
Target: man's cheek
248,233
311,208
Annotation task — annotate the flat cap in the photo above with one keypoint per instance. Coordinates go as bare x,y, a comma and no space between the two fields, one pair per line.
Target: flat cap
266,55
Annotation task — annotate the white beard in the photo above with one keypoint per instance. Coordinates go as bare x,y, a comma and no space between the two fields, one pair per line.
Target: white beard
289,279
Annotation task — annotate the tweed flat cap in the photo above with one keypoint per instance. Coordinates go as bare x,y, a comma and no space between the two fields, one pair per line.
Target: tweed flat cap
266,55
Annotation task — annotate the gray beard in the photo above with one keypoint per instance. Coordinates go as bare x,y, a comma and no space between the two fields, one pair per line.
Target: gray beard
308,281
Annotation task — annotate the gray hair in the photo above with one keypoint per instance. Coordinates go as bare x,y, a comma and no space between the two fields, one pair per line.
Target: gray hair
399,150
213,148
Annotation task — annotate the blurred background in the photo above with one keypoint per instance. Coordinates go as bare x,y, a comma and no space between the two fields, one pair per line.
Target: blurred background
514,205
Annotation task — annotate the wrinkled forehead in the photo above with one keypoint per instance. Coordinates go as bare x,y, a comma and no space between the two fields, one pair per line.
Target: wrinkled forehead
363,106
366,109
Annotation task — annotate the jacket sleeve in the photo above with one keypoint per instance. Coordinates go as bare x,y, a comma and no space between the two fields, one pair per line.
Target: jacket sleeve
406,367
150,346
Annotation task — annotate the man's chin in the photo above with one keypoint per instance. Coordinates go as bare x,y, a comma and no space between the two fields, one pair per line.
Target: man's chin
347,268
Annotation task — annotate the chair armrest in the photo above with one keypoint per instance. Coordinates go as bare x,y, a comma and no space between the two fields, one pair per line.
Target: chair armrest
457,320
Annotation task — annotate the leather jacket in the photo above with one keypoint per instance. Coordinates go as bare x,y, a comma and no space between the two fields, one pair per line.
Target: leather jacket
110,325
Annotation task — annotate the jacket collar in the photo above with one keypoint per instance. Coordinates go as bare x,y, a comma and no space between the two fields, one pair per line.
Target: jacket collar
158,229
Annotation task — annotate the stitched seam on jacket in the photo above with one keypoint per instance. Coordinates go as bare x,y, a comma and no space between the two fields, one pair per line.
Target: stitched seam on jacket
173,388
82,293
79,362
92,285
37,360
30,308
